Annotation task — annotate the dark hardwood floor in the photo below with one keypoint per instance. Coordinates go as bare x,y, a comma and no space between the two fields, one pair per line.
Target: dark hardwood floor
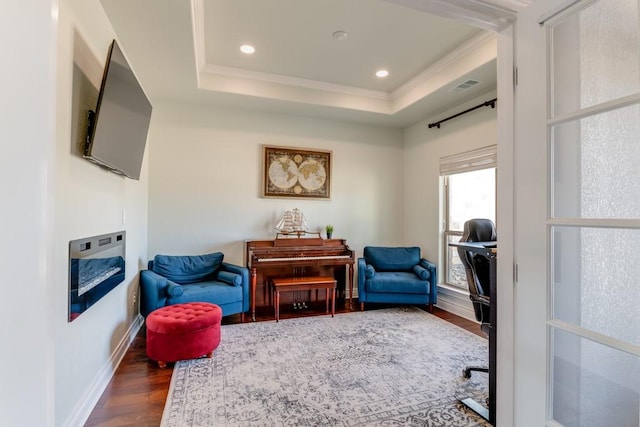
137,393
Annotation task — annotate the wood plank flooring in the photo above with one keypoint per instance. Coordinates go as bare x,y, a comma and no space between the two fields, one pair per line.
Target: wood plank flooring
136,395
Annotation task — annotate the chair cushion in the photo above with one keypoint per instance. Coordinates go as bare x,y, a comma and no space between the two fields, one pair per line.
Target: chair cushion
211,291
397,283
185,269
392,258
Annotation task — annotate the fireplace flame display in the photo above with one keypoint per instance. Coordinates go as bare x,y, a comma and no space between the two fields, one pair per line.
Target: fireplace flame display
96,266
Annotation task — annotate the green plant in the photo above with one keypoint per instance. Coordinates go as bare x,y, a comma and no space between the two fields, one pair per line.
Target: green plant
329,228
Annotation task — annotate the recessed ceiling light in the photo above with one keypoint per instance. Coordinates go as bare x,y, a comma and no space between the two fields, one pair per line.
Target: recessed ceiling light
247,48
382,73
340,35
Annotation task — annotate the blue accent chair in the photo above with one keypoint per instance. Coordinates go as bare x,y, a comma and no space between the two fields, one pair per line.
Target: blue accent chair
194,278
396,275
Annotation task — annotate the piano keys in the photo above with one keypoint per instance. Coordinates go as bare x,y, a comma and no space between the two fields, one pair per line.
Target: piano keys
298,256
302,258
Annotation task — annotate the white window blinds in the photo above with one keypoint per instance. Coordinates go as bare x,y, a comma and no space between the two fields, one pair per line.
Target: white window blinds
482,158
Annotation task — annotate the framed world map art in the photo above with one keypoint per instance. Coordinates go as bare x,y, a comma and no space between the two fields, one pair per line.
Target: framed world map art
296,173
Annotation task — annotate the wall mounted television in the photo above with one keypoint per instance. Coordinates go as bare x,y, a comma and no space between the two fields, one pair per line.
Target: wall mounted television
117,129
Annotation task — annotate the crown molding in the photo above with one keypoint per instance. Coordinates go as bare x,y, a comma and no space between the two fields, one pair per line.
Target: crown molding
494,15
451,58
513,5
293,81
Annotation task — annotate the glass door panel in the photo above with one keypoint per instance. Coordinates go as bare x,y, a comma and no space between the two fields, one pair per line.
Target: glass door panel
593,385
595,280
595,55
596,165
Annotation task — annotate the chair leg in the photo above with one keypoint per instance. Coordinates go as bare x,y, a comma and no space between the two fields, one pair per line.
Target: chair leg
242,317
466,372
361,306
430,308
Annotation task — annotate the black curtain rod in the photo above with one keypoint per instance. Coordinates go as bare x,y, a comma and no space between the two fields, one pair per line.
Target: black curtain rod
491,103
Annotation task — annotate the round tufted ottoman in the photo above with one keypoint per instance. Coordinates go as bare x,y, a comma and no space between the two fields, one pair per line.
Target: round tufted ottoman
183,331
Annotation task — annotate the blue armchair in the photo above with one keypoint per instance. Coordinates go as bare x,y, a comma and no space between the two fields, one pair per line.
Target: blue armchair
396,275
197,278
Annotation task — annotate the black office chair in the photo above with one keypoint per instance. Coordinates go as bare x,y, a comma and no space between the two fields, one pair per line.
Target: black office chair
477,269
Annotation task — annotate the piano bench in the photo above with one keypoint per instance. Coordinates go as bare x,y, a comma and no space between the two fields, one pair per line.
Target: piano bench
305,283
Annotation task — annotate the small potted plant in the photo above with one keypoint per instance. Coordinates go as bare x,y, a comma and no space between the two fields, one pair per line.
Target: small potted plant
329,230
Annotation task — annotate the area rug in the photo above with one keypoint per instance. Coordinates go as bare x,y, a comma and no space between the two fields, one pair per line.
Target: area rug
388,367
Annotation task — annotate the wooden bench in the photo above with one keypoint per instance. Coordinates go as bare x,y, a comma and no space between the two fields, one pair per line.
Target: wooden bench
306,283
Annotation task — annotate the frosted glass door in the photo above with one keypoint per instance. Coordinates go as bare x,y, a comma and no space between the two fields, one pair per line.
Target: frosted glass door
594,219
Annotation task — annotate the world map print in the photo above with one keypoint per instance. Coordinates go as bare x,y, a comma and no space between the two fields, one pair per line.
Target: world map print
296,173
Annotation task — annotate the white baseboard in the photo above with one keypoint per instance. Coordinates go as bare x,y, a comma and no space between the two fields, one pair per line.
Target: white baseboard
455,301
83,409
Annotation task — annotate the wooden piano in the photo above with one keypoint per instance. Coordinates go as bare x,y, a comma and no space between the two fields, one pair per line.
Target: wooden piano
297,256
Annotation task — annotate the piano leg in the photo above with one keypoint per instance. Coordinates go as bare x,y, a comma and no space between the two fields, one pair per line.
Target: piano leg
253,293
351,289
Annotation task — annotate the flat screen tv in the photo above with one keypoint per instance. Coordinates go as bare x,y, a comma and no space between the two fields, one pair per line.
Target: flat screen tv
118,127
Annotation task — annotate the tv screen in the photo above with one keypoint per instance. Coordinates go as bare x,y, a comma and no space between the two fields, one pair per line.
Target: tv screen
118,128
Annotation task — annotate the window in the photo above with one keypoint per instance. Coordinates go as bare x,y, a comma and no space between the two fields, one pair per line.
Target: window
469,191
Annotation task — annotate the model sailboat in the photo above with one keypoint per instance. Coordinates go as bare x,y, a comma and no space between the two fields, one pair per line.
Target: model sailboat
293,222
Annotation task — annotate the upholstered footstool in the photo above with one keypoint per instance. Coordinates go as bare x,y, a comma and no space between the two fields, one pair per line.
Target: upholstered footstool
183,331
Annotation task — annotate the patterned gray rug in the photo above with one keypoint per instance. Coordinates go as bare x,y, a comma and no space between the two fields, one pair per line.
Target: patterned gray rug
390,367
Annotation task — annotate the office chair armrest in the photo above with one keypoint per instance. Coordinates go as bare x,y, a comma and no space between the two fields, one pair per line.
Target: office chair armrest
482,299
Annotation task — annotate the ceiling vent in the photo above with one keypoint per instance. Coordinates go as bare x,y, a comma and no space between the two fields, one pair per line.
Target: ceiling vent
464,85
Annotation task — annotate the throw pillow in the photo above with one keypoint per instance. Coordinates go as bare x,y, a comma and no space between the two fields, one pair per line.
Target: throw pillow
370,272
173,289
230,278
421,272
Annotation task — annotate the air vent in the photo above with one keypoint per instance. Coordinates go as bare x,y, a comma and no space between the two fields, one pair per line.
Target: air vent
464,85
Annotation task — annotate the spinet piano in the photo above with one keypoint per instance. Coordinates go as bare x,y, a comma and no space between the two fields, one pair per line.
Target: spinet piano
297,256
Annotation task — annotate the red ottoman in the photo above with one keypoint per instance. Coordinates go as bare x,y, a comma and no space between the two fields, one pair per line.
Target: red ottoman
183,331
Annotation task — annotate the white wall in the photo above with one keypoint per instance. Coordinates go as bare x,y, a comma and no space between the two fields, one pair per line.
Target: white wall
205,177
27,107
423,148
89,201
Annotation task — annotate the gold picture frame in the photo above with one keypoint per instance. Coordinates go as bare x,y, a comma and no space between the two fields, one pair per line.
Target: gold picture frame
296,173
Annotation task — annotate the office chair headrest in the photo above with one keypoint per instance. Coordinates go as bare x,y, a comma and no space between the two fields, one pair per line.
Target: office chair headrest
479,230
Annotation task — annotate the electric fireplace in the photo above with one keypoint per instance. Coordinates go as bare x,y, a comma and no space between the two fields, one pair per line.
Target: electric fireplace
96,266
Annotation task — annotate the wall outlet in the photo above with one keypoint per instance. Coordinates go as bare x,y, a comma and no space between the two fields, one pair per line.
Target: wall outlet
134,298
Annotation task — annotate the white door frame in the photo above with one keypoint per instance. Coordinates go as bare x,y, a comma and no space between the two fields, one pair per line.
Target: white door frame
505,217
